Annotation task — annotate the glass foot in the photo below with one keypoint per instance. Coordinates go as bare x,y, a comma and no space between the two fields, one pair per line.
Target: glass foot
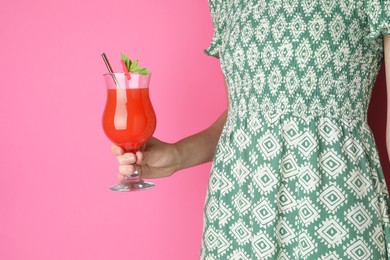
125,187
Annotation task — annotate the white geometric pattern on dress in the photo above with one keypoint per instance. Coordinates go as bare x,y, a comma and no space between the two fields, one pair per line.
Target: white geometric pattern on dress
358,183
323,56
283,256
328,130
331,163
211,238
284,233
228,154
212,209
285,199
331,256
241,233
242,140
241,203
332,232
378,238
241,170
268,146
214,183
263,246
306,144
308,6
226,185
358,250
289,166
291,132
332,197
263,213
317,27
307,245
308,213
337,27
308,179
359,217
239,254
225,214
265,179
353,149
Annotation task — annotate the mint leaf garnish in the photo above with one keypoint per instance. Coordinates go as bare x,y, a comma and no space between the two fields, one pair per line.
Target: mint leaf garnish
132,66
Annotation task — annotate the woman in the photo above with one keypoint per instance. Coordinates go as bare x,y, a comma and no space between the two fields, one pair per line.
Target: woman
296,173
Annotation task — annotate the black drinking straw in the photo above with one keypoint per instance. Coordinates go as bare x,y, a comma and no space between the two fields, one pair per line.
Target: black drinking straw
110,69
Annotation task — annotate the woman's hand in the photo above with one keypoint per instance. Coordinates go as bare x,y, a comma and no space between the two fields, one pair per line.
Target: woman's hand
157,160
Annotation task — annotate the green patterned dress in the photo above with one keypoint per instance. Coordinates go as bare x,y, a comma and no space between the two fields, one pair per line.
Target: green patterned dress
296,174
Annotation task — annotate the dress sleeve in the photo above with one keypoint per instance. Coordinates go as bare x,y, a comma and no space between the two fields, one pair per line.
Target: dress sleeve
219,24
378,15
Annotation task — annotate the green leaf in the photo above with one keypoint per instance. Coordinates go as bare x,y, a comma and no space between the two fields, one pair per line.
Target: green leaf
137,69
133,66
134,63
144,72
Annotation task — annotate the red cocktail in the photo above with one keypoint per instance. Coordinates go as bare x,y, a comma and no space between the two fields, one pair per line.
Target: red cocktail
129,120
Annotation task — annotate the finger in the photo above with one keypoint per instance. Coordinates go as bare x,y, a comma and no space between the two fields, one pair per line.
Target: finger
117,150
126,169
140,157
127,158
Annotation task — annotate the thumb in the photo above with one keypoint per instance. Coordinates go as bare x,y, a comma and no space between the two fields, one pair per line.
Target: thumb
147,154
146,157
140,157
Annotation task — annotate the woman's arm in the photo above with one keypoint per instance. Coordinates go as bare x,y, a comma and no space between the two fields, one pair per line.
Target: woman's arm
387,70
200,148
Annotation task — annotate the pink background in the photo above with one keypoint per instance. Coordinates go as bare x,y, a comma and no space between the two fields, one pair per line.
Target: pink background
56,164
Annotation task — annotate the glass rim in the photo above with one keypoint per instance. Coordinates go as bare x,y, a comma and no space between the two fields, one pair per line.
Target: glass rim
122,73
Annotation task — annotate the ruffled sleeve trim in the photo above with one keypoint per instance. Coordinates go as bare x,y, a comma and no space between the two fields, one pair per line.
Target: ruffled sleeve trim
378,16
218,23
214,47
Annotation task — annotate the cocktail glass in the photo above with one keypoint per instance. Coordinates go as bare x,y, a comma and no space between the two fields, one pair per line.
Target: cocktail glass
129,120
